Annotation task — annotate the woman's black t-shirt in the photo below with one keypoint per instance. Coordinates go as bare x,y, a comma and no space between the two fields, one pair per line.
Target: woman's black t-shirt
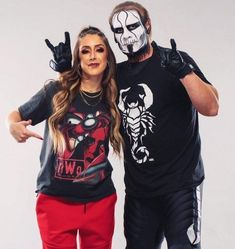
82,172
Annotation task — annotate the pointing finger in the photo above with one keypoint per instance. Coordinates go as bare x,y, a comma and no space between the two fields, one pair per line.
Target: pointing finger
173,44
34,134
67,38
49,45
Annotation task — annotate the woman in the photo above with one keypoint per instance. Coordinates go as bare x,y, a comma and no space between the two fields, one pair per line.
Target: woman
74,186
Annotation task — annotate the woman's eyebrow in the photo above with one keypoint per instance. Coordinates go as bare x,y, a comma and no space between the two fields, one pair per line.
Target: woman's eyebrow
97,45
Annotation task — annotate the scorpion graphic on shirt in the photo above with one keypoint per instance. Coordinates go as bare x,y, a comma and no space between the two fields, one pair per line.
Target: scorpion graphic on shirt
134,103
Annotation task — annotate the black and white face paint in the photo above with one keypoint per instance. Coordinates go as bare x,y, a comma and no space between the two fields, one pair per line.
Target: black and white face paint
129,31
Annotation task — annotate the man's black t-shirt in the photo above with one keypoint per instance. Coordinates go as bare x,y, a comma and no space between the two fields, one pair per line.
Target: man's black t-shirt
82,172
160,128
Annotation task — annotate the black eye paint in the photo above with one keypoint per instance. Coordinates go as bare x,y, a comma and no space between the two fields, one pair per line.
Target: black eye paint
118,30
133,26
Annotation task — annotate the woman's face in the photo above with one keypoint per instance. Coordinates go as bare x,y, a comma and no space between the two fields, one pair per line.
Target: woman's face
93,55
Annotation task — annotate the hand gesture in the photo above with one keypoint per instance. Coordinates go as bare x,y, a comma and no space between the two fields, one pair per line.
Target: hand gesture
62,55
20,132
172,61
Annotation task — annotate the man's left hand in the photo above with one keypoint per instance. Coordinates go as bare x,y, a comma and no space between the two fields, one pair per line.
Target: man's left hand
172,61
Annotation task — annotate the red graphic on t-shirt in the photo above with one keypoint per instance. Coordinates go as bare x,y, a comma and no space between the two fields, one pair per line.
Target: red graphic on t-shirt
84,159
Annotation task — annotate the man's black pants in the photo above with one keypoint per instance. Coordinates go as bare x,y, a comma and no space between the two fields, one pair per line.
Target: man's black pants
175,216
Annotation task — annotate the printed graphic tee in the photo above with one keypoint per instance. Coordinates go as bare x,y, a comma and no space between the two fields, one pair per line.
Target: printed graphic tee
160,128
82,172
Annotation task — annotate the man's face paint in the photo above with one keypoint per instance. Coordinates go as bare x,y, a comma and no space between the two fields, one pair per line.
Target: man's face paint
129,31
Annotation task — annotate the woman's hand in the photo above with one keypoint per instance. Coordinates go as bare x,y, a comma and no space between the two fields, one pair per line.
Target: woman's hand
20,131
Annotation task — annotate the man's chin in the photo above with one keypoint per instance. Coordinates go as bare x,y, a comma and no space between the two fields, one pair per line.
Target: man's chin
138,55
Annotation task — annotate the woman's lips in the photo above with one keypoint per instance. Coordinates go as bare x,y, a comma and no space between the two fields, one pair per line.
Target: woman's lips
93,65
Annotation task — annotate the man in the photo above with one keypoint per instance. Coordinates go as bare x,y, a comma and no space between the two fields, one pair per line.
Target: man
161,92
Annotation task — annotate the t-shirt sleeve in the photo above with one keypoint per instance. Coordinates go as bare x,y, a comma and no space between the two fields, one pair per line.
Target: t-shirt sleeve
194,66
39,107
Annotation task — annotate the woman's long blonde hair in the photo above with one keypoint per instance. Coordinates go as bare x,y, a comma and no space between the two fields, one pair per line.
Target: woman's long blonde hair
70,82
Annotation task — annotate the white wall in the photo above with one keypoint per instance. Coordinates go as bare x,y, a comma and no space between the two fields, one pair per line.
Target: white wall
203,28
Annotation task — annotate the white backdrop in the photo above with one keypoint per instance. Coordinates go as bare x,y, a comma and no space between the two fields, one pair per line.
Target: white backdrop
203,28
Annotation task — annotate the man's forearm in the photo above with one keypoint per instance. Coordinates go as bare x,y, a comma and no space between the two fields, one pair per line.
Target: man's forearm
204,97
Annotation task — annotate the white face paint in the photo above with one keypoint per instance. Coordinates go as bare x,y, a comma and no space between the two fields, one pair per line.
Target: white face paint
129,31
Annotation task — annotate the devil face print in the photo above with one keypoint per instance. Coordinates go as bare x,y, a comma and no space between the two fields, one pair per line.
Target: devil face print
84,159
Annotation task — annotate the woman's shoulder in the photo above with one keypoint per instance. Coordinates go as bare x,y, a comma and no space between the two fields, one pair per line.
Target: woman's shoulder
51,87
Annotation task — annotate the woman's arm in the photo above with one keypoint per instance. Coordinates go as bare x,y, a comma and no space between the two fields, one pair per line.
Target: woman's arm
18,127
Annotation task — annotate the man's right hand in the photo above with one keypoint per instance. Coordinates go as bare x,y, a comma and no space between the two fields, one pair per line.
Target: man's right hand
62,55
